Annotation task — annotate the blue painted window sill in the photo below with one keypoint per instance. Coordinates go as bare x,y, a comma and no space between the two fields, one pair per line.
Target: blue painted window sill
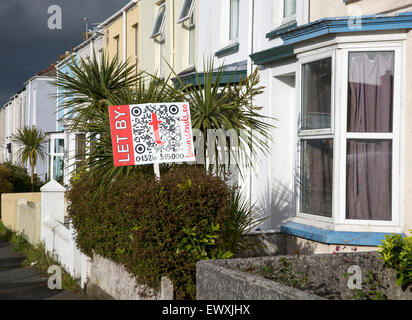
371,239
231,48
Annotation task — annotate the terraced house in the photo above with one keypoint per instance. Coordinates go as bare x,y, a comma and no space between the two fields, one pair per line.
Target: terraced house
337,78
32,106
67,148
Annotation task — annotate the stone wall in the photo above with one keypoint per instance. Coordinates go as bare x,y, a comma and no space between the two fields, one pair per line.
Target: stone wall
325,276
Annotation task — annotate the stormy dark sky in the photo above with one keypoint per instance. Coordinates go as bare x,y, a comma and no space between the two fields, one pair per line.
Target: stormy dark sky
28,46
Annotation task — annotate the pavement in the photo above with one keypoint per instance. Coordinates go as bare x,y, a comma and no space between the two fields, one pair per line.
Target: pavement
25,283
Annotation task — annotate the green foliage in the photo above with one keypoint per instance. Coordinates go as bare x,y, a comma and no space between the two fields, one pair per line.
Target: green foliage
21,243
155,228
5,233
197,240
6,185
220,103
242,218
16,179
20,178
92,86
396,252
288,276
32,147
36,256
371,289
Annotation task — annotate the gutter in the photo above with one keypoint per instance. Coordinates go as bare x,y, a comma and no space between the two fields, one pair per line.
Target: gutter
118,13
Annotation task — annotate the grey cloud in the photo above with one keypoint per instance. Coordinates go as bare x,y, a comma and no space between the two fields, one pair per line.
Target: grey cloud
28,46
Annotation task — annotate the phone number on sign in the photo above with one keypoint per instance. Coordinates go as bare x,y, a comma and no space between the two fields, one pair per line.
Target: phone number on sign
161,157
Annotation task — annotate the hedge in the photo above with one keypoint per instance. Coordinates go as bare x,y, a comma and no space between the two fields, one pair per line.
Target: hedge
156,228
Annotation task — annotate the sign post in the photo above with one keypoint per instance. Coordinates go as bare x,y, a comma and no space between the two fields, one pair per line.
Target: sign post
151,133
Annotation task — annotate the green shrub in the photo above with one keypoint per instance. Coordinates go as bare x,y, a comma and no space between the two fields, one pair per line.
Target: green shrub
156,228
396,252
16,179
6,185
20,178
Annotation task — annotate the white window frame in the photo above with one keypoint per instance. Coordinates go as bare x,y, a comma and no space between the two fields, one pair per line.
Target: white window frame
117,42
52,153
339,53
182,18
190,45
231,40
394,136
155,33
327,133
290,18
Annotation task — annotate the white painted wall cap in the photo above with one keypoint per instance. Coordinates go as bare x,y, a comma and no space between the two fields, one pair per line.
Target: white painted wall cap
53,186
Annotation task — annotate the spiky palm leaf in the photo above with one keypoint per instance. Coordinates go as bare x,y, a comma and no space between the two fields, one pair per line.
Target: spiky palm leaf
224,105
91,87
32,147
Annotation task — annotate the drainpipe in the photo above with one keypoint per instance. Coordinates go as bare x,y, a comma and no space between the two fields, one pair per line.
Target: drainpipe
28,106
250,66
124,35
172,53
91,45
251,35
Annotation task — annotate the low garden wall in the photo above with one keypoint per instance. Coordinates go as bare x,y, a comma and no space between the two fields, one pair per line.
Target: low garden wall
9,207
323,276
216,281
28,220
106,279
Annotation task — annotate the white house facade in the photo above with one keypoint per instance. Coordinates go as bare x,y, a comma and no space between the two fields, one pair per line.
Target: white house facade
338,87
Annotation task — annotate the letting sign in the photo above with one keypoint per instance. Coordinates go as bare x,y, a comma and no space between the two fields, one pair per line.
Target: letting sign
151,133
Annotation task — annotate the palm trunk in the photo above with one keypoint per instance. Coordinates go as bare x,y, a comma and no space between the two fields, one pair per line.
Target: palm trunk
32,178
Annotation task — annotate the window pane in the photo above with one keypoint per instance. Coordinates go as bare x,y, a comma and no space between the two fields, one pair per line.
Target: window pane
316,94
157,29
369,180
185,12
289,8
57,167
234,19
58,145
80,146
370,93
316,176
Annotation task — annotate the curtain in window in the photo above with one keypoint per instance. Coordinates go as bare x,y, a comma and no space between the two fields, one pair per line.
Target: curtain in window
317,174
369,162
316,94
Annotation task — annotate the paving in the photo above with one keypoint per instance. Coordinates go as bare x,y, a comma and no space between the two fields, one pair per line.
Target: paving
25,283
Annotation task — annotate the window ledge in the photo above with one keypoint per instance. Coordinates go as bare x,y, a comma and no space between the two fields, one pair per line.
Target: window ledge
371,239
282,28
229,49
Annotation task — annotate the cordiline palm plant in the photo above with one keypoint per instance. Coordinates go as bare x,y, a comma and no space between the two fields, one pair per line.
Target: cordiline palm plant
32,147
91,87
222,104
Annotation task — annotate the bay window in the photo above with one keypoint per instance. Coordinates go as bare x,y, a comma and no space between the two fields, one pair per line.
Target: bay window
348,148
369,147
316,138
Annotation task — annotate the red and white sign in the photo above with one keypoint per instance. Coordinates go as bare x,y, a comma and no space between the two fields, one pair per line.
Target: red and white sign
151,133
